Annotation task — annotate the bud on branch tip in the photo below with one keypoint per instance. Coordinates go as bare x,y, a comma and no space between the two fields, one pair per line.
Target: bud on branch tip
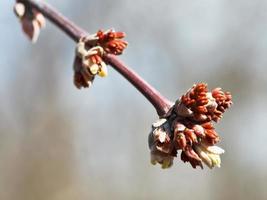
189,128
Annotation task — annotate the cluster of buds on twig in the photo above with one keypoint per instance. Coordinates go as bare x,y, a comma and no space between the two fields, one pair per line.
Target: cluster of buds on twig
31,20
89,55
189,128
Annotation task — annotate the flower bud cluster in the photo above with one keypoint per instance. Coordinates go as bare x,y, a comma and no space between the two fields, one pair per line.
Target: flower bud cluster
111,41
89,55
189,128
32,21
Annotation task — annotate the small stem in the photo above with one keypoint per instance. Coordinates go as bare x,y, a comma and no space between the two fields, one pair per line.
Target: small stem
161,104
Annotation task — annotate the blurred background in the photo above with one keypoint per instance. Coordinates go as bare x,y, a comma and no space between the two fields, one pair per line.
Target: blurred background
57,142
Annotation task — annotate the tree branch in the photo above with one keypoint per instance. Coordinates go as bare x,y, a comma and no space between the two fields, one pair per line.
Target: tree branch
160,103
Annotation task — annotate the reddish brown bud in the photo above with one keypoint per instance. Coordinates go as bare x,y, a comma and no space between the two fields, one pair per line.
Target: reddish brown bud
112,41
192,130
